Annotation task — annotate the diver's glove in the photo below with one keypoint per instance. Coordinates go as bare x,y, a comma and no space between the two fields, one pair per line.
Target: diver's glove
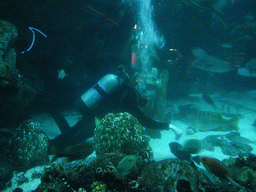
176,130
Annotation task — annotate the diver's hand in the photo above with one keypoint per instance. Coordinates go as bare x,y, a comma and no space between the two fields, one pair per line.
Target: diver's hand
176,130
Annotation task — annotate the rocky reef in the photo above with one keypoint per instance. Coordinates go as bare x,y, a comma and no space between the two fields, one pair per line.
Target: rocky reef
122,164
21,149
170,175
17,91
166,175
122,133
245,173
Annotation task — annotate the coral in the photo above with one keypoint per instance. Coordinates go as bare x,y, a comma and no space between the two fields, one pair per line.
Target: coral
29,146
60,178
111,165
105,165
109,168
170,175
245,170
248,160
122,133
98,186
21,149
247,177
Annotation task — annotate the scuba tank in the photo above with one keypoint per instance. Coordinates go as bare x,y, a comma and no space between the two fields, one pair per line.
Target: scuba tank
105,86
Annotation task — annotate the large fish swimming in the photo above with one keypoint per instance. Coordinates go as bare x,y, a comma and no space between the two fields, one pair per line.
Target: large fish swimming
219,169
210,63
184,152
209,121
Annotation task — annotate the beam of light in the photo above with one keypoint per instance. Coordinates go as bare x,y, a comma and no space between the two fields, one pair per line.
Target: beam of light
34,36
99,14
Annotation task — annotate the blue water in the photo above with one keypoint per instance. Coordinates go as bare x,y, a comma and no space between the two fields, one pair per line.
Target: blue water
89,39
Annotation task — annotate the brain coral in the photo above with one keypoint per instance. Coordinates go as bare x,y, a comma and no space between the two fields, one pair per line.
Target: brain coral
121,132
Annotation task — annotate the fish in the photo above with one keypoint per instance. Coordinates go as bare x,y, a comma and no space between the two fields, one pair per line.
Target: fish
176,149
73,152
209,100
61,74
219,169
125,165
210,63
192,146
210,121
184,152
226,45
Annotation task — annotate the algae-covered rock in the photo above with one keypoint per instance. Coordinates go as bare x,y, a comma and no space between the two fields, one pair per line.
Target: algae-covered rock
28,146
16,90
22,148
8,34
58,178
170,175
247,177
118,171
121,132
245,171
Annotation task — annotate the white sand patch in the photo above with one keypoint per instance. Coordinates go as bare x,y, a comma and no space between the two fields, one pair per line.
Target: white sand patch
241,103
31,183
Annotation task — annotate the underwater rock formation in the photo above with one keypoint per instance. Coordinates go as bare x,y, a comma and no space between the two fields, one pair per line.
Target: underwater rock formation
121,132
245,171
8,35
98,175
16,90
167,175
26,147
117,166
170,175
229,147
58,178
21,149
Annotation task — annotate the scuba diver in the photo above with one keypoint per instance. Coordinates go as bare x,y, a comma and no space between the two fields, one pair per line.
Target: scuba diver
112,93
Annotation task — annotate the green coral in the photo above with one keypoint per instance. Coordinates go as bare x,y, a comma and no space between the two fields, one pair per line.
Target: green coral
120,132
98,186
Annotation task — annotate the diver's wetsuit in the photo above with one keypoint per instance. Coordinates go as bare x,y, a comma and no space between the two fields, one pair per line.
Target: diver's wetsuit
123,99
